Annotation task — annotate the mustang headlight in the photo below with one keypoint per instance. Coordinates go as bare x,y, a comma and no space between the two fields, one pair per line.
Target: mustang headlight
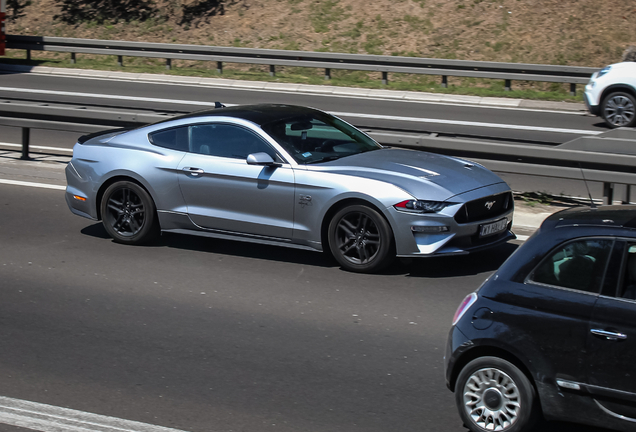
419,206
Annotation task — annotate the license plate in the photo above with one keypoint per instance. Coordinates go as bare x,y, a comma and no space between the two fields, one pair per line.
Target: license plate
493,228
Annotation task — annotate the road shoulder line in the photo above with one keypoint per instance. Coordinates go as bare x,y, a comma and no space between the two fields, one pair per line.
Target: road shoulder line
49,418
32,184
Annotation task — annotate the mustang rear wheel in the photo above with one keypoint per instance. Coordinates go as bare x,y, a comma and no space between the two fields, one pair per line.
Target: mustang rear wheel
128,213
360,239
492,394
619,110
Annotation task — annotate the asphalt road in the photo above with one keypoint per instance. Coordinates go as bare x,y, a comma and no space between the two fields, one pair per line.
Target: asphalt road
209,335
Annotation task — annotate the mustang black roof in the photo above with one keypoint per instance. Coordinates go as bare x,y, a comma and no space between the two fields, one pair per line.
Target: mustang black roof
259,114
616,215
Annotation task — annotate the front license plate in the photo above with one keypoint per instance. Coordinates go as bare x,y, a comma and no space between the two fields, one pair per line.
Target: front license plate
493,228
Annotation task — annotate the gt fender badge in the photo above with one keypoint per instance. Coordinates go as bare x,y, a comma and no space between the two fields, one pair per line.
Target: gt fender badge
304,200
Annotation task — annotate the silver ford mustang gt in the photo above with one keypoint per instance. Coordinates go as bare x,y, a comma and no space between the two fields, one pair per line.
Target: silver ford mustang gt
286,175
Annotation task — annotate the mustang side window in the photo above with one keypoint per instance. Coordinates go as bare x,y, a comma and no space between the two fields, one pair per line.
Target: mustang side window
578,265
225,140
175,138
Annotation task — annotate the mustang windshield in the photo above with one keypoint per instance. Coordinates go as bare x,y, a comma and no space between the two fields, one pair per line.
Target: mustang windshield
319,138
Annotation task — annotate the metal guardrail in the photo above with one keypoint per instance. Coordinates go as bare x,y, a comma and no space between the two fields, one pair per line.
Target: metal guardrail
378,63
608,158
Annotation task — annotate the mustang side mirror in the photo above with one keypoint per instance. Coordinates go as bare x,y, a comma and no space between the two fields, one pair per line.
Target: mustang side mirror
261,158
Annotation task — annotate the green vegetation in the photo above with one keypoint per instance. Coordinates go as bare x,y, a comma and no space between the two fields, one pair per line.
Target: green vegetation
533,198
325,14
564,33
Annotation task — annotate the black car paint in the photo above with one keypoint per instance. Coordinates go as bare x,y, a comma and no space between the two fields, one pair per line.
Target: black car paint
545,330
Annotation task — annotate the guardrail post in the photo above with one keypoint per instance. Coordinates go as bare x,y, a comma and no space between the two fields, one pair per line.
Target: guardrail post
507,85
219,67
573,89
272,70
73,58
120,61
327,74
28,55
628,194
385,78
444,81
26,133
168,64
608,193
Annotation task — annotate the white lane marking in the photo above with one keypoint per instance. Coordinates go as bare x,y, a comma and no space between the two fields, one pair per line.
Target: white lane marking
522,237
355,115
466,123
49,418
37,147
106,96
32,184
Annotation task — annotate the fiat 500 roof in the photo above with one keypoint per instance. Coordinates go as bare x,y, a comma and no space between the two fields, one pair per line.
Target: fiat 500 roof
619,215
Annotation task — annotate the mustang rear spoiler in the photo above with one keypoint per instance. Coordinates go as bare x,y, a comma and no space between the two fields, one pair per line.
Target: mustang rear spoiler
85,138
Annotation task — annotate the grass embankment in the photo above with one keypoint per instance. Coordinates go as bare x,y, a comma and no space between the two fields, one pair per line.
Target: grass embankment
582,32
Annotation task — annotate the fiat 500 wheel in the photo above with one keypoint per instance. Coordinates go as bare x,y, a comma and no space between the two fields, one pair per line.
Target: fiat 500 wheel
619,110
492,394
128,213
360,239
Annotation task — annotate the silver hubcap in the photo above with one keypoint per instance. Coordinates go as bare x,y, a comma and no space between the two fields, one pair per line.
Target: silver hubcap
619,111
491,399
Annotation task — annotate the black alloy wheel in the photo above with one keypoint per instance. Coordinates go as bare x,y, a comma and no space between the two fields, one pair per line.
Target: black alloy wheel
619,110
128,213
492,394
361,240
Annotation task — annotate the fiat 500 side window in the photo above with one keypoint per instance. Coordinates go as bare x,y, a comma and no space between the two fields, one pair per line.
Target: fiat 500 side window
578,265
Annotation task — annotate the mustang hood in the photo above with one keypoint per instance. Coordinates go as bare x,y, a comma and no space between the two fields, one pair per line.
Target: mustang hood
411,169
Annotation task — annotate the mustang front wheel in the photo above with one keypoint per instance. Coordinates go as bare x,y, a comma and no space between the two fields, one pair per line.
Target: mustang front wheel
360,239
128,213
492,394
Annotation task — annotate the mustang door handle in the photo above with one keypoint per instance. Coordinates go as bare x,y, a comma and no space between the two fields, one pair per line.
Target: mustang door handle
608,334
193,171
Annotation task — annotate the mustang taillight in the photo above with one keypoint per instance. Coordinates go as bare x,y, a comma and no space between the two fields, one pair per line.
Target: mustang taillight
464,306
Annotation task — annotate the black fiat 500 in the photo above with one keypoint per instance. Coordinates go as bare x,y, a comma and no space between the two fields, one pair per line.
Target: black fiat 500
553,332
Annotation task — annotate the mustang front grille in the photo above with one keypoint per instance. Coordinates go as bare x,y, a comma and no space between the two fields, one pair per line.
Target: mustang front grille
485,208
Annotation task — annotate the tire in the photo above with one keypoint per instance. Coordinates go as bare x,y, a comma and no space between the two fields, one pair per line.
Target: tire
129,214
360,239
492,394
619,110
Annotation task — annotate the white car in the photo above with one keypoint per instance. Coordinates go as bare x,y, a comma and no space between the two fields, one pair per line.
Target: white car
611,94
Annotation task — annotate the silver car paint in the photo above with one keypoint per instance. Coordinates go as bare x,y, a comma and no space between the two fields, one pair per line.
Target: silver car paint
293,199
